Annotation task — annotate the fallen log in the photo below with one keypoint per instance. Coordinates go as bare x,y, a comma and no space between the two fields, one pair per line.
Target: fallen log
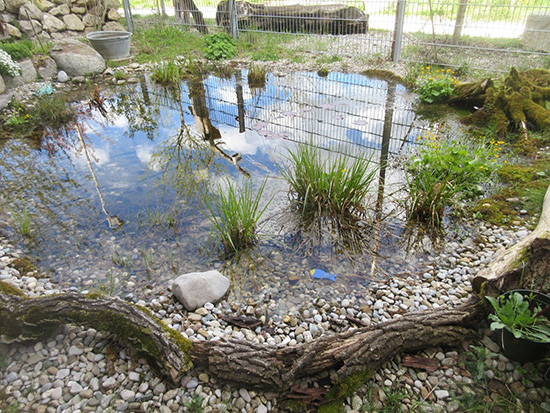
323,19
525,264
356,351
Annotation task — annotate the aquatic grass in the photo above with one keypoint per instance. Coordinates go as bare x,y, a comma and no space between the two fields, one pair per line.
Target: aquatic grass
443,170
256,76
234,212
53,112
334,184
23,221
171,72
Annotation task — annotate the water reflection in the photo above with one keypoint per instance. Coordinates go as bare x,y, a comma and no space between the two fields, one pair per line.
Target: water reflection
160,148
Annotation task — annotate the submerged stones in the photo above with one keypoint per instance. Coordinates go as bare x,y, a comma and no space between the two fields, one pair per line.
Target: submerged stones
195,289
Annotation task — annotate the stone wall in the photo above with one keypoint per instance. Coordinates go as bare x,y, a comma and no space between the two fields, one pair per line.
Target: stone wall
58,19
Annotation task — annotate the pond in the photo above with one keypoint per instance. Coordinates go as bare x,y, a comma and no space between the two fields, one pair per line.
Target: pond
119,208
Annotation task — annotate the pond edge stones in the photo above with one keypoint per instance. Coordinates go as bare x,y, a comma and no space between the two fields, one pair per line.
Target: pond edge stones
195,289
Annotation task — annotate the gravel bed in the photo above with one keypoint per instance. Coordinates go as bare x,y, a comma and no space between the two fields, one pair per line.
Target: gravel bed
84,370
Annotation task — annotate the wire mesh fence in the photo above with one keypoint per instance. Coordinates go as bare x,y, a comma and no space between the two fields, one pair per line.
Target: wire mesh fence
492,35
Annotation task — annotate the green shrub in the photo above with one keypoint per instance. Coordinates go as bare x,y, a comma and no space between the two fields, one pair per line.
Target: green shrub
442,170
18,50
435,85
219,46
332,184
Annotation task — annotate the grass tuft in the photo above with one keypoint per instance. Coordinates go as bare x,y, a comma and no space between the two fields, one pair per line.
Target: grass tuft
235,212
333,184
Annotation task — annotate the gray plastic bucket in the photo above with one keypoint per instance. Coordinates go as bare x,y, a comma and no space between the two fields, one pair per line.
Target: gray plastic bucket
111,44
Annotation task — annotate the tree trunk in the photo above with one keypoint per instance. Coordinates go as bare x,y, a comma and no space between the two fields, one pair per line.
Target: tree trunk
238,362
520,101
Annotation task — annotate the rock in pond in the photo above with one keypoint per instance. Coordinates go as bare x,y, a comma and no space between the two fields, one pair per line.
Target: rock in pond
77,58
195,289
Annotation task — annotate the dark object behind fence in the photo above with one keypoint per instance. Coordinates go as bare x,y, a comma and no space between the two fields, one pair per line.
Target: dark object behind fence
326,19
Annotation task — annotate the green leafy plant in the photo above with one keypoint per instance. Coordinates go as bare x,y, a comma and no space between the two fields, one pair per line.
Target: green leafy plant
235,212
442,170
195,405
219,46
435,85
334,184
18,50
523,316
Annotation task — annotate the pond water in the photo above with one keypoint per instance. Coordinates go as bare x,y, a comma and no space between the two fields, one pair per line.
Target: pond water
124,213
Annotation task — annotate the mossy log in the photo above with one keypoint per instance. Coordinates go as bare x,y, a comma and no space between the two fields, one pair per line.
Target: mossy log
525,264
522,101
235,361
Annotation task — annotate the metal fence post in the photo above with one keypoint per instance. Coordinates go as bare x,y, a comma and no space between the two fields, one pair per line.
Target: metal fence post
233,21
128,15
398,31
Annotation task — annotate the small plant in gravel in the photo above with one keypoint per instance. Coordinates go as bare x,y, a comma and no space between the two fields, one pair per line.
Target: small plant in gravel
169,72
435,85
235,213
18,50
219,46
325,182
7,66
23,221
446,169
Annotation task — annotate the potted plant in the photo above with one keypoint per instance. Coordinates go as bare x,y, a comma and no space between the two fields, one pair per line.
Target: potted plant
522,322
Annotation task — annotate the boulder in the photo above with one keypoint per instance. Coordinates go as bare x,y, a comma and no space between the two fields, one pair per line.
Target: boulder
91,21
2,5
13,5
52,24
113,27
47,68
30,27
77,58
73,22
45,5
536,35
29,11
113,14
195,289
61,10
28,75
12,31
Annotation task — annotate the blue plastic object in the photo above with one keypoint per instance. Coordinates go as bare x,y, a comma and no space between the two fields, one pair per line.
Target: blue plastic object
323,275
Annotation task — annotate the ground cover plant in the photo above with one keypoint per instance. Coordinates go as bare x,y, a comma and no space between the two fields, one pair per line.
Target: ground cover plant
435,84
219,46
443,170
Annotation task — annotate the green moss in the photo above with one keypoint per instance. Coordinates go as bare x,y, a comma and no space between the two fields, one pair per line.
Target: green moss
183,343
23,265
293,406
335,406
8,288
383,75
346,388
516,173
94,295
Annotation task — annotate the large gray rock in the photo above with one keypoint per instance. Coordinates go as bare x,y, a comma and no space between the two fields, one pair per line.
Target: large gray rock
29,11
61,10
12,30
91,21
195,289
13,5
73,22
77,58
536,35
28,75
30,27
113,27
47,68
52,24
